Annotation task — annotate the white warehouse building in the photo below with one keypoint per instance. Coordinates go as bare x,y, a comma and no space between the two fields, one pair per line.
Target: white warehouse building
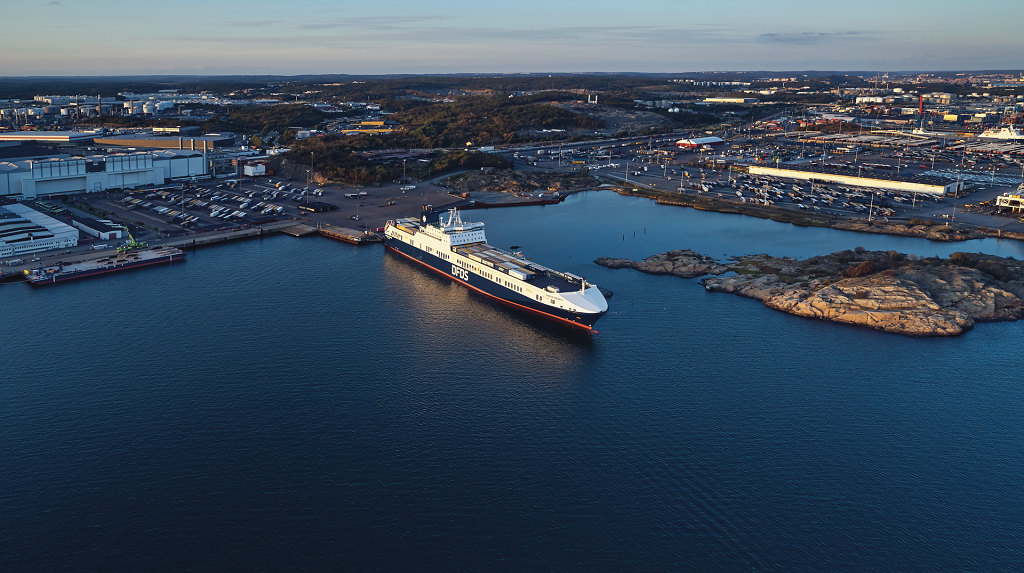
24,230
934,186
40,178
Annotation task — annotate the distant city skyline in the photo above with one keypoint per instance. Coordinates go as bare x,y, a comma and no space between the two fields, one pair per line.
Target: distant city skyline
101,37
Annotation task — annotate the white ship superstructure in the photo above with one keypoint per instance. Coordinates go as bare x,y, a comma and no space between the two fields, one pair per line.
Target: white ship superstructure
1009,132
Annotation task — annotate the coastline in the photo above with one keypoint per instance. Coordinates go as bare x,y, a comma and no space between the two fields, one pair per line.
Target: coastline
934,232
881,290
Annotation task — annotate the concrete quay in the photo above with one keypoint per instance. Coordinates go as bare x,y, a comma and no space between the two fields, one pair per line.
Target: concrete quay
83,253
214,237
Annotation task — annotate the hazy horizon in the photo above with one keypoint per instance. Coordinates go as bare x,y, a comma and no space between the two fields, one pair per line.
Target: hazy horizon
104,38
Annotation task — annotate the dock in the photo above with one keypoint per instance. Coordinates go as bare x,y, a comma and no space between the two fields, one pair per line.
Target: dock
290,227
209,238
351,236
299,230
108,263
200,239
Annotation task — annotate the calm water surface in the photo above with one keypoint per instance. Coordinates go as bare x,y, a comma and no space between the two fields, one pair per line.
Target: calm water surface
297,404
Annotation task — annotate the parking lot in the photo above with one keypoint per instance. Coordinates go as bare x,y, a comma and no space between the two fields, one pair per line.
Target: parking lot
655,163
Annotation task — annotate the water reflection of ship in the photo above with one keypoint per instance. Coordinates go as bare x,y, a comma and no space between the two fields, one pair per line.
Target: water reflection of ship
438,303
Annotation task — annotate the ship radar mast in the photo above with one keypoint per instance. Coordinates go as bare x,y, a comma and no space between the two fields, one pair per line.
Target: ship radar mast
453,217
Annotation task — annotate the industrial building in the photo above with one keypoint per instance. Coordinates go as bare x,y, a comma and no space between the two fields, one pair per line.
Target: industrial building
190,142
934,186
317,207
82,137
177,129
39,178
700,142
373,127
730,100
254,169
24,230
100,230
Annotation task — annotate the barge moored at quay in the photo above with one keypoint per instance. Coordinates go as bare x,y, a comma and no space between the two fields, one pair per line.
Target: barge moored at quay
459,250
120,261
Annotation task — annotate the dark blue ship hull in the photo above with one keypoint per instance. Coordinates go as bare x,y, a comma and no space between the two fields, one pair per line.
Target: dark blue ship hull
488,287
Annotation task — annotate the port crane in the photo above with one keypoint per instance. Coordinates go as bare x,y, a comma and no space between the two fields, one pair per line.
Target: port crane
132,244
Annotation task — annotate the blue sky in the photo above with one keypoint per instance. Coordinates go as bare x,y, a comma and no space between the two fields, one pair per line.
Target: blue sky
103,37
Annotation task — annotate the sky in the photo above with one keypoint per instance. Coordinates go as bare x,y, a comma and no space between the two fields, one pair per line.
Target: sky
104,37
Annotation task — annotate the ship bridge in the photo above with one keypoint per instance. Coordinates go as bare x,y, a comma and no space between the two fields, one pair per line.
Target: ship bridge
455,231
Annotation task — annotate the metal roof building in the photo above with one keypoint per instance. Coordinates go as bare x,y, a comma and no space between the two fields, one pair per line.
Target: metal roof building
101,231
51,136
44,177
700,142
914,184
24,230
190,142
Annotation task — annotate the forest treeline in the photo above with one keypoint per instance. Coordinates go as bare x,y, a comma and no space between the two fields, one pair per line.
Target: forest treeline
337,159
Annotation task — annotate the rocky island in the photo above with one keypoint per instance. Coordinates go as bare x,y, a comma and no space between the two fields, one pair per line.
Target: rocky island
883,290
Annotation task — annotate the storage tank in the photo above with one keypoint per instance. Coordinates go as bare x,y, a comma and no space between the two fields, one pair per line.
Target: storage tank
64,111
35,111
50,109
149,108
164,105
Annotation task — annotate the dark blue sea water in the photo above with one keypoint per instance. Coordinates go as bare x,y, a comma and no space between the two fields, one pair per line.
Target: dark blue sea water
301,405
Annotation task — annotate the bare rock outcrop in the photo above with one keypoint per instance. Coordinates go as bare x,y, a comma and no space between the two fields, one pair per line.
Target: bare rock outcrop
930,232
885,291
684,264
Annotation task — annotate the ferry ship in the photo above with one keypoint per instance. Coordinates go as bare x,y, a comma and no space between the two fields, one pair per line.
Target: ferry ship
460,251
109,264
